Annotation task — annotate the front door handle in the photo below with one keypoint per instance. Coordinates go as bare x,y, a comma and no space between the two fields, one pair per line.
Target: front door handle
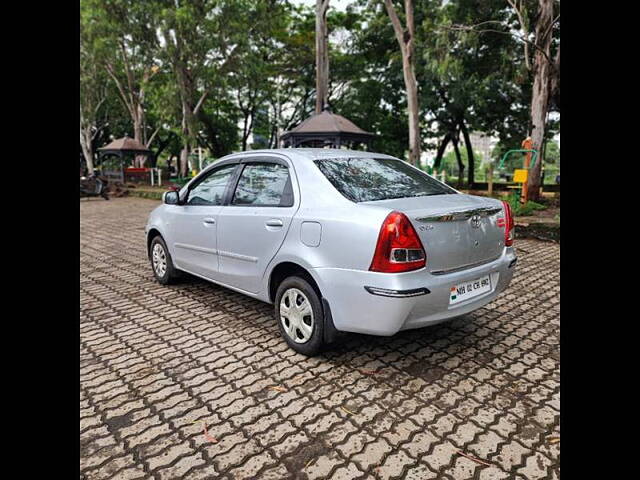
209,220
274,222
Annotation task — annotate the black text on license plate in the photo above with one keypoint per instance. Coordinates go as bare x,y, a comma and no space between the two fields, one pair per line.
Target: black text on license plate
469,289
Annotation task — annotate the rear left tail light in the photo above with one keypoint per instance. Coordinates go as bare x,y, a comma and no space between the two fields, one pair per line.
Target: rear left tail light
399,248
508,224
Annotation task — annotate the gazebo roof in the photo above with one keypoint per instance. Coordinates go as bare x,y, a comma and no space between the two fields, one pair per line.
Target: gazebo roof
329,123
125,145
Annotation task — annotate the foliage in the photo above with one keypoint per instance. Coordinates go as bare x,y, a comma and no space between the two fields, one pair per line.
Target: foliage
523,210
146,65
450,163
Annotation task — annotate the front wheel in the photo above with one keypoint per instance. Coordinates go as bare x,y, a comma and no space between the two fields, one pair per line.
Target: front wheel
161,262
298,311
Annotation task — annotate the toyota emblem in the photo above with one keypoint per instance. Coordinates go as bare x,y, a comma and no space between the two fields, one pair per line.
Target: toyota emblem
475,221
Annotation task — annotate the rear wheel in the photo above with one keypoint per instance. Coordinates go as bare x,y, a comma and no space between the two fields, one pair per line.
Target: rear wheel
161,262
298,311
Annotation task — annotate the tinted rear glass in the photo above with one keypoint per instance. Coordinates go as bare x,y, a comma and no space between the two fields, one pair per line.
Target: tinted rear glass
370,179
264,185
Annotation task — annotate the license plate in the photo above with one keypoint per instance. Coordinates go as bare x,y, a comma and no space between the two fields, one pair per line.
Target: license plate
469,289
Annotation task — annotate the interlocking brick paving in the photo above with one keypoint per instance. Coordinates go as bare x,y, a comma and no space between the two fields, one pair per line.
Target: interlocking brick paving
159,364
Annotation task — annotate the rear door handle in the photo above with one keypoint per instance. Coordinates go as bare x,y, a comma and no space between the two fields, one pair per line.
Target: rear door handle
209,220
274,222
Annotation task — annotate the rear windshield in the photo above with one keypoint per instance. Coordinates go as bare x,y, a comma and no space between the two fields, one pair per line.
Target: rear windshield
370,179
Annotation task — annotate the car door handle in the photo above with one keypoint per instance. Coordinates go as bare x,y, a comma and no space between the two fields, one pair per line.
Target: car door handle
274,222
209,220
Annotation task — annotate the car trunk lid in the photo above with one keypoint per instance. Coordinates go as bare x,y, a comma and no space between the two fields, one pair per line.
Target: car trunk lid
458,231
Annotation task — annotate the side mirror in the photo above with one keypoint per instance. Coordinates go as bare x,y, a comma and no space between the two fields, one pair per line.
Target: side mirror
171,197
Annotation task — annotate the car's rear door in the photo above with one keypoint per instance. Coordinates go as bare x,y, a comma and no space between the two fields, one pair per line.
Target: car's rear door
252,227
193,224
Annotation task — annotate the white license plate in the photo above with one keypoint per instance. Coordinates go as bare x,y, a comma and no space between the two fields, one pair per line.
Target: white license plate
470,289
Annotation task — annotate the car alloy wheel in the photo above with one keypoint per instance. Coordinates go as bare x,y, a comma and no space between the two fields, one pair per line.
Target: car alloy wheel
159,259
296,315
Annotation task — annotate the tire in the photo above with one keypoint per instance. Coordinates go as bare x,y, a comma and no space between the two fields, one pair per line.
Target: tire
301,327
168,274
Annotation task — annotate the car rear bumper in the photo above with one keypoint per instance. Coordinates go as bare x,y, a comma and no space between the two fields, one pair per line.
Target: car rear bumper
383,304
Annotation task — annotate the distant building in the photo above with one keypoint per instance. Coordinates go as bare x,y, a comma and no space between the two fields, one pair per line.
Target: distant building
483,145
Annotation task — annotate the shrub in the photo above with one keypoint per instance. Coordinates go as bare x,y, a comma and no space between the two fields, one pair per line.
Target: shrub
523,210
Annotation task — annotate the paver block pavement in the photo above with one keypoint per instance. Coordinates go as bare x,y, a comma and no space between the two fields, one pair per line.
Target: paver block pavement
159,364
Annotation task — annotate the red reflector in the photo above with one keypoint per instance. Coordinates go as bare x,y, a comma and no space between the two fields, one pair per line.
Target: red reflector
399,248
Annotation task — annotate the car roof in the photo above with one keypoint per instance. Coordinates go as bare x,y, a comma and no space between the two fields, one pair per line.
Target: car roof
313,153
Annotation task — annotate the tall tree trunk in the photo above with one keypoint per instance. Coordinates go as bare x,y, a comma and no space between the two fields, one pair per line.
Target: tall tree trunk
460,164
406,39
184,153
541,90
138,127
555,81
184,161
247,126
414,120
132,94
86,139
245,132
441,148
187,97
87,148
322,55
470,158
138,124
178,166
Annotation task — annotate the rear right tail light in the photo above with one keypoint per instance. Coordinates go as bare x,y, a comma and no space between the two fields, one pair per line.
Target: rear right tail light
508,224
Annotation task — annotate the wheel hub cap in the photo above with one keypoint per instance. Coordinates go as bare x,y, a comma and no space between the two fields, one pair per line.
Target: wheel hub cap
296,315
159,259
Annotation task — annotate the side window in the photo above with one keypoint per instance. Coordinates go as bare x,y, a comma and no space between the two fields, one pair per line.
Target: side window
264,185
210,191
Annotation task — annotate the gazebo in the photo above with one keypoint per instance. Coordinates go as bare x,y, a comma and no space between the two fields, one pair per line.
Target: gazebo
326,129
121,147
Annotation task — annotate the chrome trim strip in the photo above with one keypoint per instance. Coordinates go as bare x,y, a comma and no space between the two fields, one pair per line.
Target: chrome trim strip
385,292
237,256
464,267
460,214
212,251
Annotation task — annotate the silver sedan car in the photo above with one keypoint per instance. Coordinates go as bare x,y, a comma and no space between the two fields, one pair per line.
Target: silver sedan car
337,240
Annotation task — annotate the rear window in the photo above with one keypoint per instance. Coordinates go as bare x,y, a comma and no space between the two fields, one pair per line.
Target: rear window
370,179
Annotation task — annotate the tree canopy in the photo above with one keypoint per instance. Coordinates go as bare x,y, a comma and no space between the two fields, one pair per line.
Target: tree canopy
226,75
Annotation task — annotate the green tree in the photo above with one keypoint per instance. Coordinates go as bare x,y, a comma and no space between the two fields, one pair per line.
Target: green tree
123,42
93,96
368,79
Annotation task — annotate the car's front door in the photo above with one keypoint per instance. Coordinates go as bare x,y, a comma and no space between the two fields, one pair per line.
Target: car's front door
193,223
253,226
